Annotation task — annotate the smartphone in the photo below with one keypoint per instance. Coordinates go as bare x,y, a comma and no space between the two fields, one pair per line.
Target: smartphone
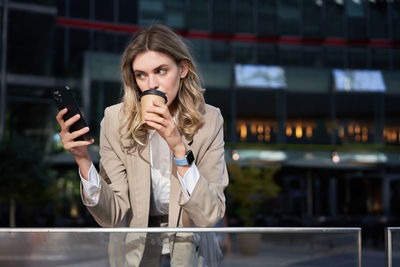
64,99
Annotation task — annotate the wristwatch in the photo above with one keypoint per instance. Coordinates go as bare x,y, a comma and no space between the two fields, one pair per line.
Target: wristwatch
187,160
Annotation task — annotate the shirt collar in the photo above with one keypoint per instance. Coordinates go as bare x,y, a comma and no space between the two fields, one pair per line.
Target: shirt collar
151,134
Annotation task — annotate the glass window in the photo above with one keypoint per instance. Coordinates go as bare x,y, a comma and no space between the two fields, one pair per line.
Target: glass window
244,16
30,119
306,118
354,121
267,14
289,18
105,41
175,13
79,43
151,11
356,22
334,20
79,9
312,56
30,43
395,20
357,58
106,94
378,21
255,102
380,58
334,57
267,54
198,14
200,49
223,100
396,59
220,51
256,116
391,132
128,11
222,16
289,55
244,52
312,18
61,8
59,53
216,75
104,10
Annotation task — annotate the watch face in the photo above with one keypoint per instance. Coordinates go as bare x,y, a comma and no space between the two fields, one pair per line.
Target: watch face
190,157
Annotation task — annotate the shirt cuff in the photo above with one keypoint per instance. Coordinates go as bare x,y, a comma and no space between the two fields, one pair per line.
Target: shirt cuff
189,180
91,188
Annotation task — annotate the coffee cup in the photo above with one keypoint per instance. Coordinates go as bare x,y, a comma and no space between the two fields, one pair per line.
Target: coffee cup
146,100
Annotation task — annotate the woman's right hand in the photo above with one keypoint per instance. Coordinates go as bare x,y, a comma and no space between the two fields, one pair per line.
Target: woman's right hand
77,148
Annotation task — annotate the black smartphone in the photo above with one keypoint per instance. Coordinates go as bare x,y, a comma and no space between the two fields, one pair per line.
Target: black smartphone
64,99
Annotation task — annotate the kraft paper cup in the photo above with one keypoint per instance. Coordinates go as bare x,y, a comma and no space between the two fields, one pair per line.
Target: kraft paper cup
146,100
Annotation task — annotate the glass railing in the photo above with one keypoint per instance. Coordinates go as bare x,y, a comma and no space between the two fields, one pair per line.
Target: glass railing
124,246
392,246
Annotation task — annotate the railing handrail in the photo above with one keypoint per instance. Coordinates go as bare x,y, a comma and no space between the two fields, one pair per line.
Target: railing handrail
332,230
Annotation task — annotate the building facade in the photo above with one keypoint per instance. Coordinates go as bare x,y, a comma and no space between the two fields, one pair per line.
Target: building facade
337,143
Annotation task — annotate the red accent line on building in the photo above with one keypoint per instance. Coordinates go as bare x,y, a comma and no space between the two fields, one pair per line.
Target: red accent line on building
115,27
95,25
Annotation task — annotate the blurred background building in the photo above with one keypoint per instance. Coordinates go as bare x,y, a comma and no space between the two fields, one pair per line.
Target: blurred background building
311,86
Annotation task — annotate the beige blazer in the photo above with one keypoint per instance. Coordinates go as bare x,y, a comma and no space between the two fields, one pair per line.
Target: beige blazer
126,182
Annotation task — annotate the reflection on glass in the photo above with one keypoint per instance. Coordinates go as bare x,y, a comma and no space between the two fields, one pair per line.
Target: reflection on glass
260,76
293,248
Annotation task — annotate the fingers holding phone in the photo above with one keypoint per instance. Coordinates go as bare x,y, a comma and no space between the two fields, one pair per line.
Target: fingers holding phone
71,140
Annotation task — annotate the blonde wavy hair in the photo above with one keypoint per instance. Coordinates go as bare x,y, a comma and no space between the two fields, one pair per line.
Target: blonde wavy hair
188,106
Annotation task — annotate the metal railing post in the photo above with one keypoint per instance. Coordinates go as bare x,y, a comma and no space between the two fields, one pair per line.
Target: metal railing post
388,247
359,252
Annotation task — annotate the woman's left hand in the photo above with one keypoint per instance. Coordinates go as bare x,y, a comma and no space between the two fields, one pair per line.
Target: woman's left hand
164,124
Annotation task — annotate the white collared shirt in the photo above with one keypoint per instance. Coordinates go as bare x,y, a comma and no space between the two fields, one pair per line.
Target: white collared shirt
161,164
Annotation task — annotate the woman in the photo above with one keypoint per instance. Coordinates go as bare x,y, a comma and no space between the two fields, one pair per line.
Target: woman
171,175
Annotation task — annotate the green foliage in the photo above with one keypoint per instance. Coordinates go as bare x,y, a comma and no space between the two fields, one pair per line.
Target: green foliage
23,173
249,189
67,190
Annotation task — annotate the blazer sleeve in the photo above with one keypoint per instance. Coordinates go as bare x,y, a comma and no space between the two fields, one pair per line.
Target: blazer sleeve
206,205
114,197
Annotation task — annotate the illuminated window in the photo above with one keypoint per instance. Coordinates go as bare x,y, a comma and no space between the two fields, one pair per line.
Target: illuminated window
299,132
243,132
309,131
289,131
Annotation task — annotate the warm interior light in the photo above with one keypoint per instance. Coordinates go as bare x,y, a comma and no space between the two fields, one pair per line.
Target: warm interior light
350,129
243,132
267,136
299,131
309,131
341,131
260,129
364,138
357,129
289,131
364,130
253,129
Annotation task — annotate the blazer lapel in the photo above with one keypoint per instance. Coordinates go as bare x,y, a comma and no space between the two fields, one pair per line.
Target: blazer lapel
141,185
